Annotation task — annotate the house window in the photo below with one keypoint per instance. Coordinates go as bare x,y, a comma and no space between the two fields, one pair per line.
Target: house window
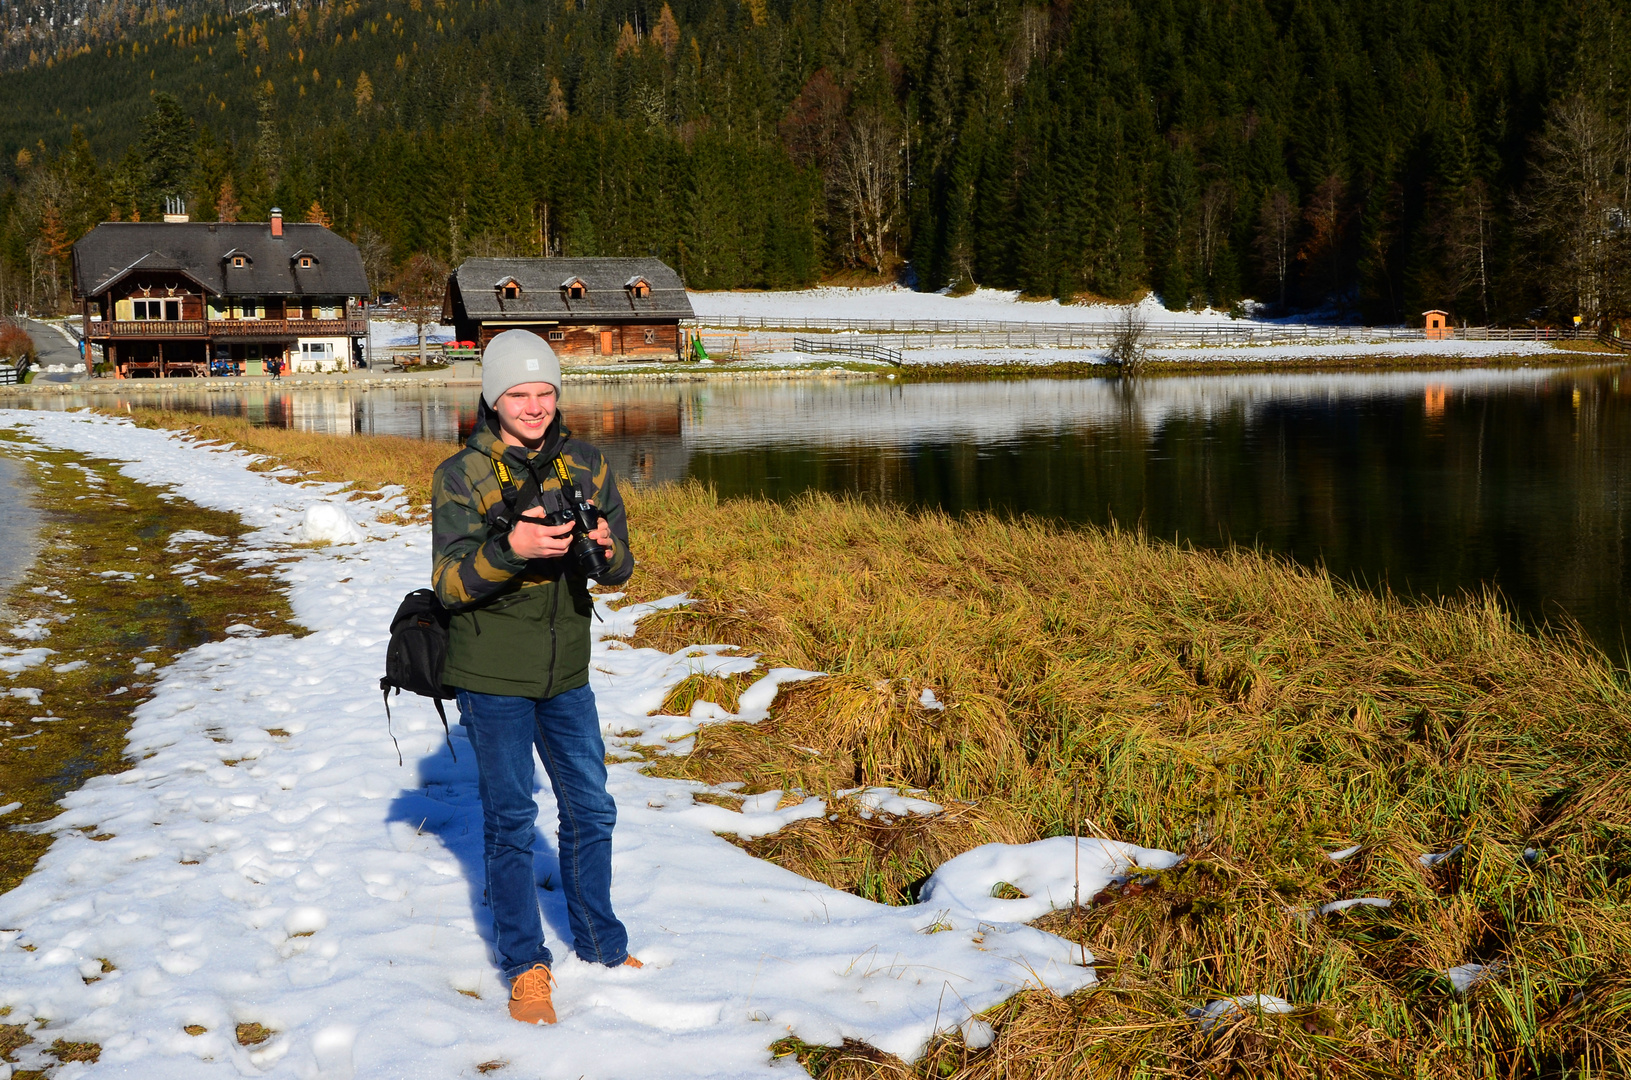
305,262
639,290
557,335
238,260
512,291
651,336
575,290
157,309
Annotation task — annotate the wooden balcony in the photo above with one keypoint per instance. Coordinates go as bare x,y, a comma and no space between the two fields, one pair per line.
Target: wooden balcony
149,329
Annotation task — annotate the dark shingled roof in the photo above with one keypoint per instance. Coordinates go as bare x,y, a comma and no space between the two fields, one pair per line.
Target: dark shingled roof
543,282
200,249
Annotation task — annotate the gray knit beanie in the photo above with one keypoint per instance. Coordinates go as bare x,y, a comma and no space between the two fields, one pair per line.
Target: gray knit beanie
515,357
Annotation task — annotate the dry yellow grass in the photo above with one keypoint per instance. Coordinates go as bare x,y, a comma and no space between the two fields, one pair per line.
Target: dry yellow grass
1250,714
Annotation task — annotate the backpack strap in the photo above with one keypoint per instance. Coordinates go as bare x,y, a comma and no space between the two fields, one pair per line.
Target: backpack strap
447,732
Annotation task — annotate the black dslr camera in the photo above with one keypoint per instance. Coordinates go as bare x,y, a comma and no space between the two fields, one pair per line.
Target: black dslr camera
584,553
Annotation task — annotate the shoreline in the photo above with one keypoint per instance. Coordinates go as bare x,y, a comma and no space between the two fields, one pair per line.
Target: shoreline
737,371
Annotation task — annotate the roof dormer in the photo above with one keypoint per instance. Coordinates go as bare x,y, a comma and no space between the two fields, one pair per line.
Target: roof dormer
639,288
237,259
575,289
303,260
508,288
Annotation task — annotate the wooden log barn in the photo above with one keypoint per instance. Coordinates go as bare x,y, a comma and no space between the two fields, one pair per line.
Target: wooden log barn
194,298
584,307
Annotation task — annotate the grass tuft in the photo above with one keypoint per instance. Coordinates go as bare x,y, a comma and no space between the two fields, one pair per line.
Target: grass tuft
252,1034
65,1051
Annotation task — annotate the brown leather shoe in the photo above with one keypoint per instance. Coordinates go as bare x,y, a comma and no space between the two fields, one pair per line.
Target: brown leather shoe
633,963
529,996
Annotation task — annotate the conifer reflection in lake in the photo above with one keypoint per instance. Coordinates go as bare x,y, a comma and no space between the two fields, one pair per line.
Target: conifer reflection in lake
1429,483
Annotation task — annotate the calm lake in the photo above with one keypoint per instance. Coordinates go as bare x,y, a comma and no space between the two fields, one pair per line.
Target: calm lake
1426,483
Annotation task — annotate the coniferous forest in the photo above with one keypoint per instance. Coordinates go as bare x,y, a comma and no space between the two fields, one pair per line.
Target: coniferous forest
1378,157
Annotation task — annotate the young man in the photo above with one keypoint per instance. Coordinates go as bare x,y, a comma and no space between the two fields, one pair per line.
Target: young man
518,654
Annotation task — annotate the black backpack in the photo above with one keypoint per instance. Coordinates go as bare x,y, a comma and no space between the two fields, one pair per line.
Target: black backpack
416,656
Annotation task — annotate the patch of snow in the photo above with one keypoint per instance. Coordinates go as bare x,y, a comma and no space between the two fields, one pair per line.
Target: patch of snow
72,665
1217,1012
328,522
1363,901
9,807
929,701
1431,859
886,800
1464,977
32,630
1044,871
13,661
1347,852
191,537
24,693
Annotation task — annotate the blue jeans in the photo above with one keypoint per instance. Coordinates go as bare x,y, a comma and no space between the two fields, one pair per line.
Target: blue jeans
566,731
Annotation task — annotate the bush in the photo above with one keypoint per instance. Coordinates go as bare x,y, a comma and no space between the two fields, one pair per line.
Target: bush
15,343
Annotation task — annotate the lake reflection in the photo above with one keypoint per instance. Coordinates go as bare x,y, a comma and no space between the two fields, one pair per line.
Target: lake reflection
1432,483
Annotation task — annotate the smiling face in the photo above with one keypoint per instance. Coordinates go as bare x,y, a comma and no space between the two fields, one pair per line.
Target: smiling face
524,413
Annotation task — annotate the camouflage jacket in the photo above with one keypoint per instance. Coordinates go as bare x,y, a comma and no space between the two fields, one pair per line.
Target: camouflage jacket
520,628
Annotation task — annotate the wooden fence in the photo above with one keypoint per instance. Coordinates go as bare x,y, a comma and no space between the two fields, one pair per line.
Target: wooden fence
911,333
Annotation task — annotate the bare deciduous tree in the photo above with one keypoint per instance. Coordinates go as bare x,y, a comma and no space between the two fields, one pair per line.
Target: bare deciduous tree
1574,211
376,257
1212,229
420,287
1467,238
868,184
1129,341
1276,226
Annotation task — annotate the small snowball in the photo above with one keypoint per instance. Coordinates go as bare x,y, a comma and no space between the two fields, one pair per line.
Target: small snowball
329,521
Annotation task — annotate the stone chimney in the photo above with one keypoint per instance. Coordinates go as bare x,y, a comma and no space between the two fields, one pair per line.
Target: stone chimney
277,223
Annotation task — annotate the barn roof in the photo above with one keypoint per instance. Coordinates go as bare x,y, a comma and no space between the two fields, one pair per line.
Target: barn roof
544,283
202,249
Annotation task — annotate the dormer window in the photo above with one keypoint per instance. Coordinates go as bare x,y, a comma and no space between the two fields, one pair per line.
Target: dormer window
509,289
238,260
305,262
575,289
639,288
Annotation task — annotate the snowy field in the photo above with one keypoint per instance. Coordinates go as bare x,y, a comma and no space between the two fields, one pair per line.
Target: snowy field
898,302
317,887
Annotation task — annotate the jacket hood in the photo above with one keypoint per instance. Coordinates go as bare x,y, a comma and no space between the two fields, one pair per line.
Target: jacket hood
486,440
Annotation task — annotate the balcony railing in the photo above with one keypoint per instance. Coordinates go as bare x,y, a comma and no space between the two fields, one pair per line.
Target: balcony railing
228,328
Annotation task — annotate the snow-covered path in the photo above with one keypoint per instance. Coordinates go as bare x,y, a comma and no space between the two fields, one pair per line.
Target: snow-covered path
271,863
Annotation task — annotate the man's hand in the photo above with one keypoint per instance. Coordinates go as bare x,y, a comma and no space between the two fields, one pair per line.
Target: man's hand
531,540
602,535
